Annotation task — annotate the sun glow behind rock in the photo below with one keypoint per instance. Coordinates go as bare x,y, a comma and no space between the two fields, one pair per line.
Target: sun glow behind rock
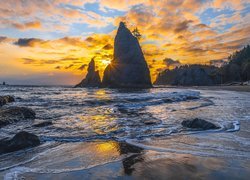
186,31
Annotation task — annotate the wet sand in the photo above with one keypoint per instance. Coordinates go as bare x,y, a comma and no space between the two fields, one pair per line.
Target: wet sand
124,161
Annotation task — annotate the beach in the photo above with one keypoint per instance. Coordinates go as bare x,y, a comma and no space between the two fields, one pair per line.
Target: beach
136,134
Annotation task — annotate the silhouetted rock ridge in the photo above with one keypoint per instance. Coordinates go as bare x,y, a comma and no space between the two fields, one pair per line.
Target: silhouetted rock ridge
92,78
128,67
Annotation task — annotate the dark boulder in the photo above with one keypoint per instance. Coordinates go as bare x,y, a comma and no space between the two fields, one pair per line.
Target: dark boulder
43,124
92,78
13,114
6,99
20,141
198,124
128,68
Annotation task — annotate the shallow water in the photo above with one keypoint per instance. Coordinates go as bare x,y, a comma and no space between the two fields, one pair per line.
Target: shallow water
92,130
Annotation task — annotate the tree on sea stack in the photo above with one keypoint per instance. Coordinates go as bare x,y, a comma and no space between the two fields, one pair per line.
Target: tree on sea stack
136,33
128,69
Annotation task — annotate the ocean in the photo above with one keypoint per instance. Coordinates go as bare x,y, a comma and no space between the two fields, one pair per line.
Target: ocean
130,134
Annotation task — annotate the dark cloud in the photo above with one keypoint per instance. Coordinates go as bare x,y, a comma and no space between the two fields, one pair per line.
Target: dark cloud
201,26
153,53
28,61
69,66
107,56
90,39
27,42
182,26
82,67
58,67
171,63
107,47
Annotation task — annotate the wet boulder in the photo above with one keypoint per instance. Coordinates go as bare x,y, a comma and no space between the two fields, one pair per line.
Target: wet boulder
21,140
14,114
6,99
198,124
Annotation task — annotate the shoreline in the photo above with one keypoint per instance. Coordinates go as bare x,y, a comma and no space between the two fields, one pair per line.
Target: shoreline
237,88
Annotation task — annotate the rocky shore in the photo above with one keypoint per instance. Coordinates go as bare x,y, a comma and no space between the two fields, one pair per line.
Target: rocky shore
128,69
11,114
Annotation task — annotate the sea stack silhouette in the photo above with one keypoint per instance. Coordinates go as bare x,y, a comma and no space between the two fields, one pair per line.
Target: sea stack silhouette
92,78
128,69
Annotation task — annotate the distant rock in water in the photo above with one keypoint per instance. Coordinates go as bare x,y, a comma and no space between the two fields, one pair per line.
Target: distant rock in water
92,78
198,124
20,141
190,75
128,68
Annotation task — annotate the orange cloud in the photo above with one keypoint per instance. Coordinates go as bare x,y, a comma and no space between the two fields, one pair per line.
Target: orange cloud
28,25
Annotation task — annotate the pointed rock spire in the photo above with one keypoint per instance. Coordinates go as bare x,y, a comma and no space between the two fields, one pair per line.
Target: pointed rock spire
128,67
92,78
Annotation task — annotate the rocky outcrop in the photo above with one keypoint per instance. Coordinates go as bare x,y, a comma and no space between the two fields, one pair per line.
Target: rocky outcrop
6,99
198,124
128,68
235,71
14,114
20,141
92,78
190,75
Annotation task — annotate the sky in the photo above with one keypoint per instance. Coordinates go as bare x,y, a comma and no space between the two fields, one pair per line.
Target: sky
51,42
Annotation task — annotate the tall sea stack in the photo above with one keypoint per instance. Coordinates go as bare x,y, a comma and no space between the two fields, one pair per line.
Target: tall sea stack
128,68
92,79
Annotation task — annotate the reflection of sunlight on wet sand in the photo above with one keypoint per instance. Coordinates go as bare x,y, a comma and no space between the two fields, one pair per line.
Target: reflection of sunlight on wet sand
108,147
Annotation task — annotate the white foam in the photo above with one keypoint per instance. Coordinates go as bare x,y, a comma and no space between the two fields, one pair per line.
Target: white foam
236,125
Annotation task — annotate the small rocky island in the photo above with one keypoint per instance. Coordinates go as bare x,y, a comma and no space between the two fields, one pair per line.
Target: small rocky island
92,78
128,68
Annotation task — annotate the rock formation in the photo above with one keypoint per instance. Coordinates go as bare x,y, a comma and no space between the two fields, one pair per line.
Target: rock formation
92,78
198,124
190,75
128,67
20,141
13,114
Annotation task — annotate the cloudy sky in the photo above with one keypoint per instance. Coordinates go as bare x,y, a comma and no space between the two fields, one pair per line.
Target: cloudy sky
52,41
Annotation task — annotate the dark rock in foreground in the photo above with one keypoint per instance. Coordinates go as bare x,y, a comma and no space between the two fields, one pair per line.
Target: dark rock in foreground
128,68
198,124
43,124
92,78
6,99
20,141
14,114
